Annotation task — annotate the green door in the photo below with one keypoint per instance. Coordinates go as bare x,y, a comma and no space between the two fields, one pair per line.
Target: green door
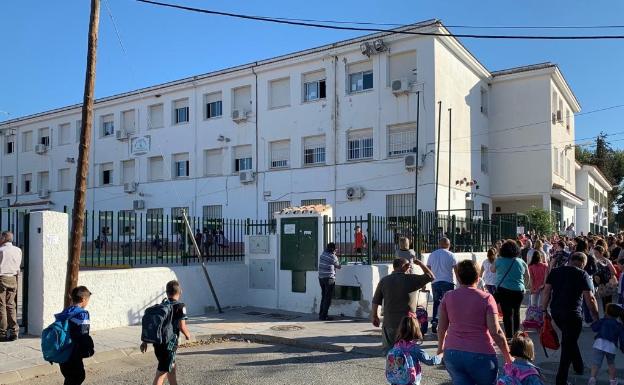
299,244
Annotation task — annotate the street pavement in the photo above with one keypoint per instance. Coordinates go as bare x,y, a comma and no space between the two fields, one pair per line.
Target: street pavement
21,360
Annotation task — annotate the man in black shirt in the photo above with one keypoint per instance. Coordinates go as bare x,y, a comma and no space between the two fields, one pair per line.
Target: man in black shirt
568,286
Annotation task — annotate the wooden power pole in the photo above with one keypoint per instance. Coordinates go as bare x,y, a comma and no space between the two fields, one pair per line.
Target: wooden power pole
80,190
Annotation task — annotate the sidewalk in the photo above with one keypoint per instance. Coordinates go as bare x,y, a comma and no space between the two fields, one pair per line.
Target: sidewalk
22,359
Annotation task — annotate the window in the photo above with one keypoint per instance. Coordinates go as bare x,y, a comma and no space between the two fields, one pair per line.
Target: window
313,202
127,171
280,154
213,162
242,158
556,160
568,169
106,172
401,140
180,111
177,215
43,181
402,66
181,165
27,141
400,205
314,86
561,163
78,130
360,144
241,98
10,144
125,222
214,105
279,93
155,116
64,179
154,218
560,111
484,101
64,134
484,159
105,219
276,207
553,104
8,185
107,125
212,212
360,77
156,168
26,183
568,118
128,121
486,210
314,150
44,136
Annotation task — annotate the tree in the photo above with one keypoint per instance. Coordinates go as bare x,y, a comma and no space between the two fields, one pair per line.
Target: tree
541,220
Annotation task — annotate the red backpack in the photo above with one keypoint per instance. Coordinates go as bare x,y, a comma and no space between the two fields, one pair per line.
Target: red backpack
548,336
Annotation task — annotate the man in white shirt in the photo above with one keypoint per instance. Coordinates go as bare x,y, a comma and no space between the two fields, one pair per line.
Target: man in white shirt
10,261
442,263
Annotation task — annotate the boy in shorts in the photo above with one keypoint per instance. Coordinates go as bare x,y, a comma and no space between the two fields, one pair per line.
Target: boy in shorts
166,353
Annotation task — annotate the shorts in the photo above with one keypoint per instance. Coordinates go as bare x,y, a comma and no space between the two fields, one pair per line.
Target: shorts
598,355
165,357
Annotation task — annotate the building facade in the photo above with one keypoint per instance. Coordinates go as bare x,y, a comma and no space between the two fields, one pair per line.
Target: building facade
593,187
352,124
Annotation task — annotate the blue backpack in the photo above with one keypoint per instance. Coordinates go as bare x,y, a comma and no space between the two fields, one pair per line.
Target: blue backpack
56,344
400,368
515,375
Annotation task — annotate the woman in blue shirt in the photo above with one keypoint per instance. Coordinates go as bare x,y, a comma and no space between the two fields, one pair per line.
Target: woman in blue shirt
512,279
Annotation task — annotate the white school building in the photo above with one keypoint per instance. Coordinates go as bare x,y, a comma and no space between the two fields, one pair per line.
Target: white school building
347,124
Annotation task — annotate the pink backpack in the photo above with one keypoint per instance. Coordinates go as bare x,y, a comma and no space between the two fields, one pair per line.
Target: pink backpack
515,375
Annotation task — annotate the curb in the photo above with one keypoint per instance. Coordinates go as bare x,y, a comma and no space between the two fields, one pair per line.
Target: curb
14,376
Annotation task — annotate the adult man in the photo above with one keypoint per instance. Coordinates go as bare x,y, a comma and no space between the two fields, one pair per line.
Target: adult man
328,263
568,286
10,261
442,263
394,292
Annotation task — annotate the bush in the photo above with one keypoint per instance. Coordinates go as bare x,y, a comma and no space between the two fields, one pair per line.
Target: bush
541,220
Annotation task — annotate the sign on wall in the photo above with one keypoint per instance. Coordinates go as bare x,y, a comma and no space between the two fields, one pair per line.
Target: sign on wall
140,145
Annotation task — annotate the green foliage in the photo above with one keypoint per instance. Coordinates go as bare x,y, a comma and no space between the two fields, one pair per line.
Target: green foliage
541,220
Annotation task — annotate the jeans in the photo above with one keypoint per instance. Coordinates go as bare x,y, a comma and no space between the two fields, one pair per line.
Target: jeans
439,289
510,301
468,368
327,292
570,326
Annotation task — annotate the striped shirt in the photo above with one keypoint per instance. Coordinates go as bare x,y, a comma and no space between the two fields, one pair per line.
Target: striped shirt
327,265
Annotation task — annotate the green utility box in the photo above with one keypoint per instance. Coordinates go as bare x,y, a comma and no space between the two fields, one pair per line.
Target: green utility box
299,244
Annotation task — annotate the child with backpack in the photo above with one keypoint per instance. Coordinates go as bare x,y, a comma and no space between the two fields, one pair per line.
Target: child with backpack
73,322
610,334
521,371
403,360
162,325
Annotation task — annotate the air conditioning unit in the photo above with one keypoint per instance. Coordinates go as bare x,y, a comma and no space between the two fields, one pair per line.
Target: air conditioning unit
44,193
70,160
559,116
138,204
4,203
400,86
247,176
239,115
554,118
411,163
41,149
121,135
355,193
130,187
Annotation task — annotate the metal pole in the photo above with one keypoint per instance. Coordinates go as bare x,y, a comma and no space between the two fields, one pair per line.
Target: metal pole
417,228
450,111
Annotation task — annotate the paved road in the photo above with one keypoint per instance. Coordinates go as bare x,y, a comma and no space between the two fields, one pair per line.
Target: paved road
238,363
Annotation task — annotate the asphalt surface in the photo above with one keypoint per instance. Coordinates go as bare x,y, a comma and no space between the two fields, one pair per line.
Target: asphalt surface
234,363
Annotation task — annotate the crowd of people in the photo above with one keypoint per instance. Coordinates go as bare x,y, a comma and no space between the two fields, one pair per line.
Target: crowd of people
567,278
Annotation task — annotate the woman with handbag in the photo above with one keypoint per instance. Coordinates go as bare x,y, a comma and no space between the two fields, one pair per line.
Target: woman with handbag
605,277
512,277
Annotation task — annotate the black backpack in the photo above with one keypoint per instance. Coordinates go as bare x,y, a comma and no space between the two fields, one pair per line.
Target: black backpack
157,323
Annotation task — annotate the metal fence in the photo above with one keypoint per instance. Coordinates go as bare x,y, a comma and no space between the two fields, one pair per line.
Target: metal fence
379,238
13,220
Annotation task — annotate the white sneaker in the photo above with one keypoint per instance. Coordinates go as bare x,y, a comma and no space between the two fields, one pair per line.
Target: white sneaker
592,381
613,382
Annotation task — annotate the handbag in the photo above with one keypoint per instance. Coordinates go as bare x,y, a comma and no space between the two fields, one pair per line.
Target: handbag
548,336
608,289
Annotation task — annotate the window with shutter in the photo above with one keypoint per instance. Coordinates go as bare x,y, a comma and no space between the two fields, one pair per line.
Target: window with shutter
360,144
280,154
314,150
279,93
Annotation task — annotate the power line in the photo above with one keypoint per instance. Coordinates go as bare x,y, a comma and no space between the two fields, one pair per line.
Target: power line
370,29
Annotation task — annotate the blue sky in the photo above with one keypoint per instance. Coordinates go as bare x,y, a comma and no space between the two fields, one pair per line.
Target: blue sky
43,45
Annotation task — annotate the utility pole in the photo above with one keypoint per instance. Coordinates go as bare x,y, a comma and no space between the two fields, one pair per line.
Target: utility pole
80,190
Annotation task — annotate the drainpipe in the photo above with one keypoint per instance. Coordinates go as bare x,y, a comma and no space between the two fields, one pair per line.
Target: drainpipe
335,129
253,69
196,211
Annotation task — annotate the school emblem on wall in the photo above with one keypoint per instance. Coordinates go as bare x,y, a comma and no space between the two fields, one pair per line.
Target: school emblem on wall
140,145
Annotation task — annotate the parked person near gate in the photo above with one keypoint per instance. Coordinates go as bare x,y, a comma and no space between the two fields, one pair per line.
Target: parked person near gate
512,279
393,292
489,278
570,232
10,261
442,263
605,280
360,240
538,269
198,240
328,263
467,338
566,287
405,251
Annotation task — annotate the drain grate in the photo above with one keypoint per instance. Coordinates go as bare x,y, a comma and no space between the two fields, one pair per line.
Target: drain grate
287,328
